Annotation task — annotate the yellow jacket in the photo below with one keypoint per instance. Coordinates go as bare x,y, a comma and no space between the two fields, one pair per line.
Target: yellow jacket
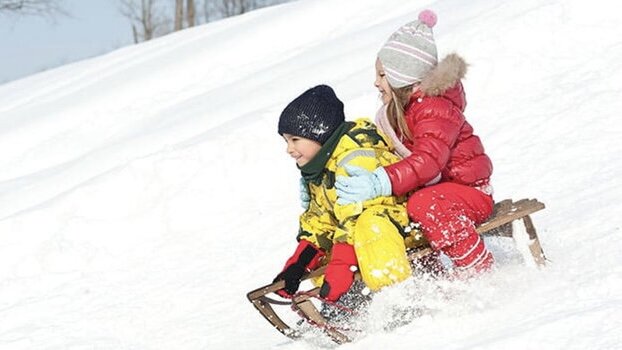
325,222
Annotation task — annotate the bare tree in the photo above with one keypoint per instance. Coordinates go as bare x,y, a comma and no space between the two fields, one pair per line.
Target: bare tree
207,11
154,18
191,13
236,7
230,7
216,9
179,15
33,7
144,15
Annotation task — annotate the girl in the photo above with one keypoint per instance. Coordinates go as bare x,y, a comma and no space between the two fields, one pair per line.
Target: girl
443,162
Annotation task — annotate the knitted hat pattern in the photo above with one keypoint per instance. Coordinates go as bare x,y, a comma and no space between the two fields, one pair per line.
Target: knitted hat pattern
314,115
410,52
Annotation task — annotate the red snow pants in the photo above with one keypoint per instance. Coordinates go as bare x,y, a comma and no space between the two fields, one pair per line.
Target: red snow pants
448,214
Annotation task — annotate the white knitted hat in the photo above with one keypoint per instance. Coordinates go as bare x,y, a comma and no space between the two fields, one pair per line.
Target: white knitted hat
410,53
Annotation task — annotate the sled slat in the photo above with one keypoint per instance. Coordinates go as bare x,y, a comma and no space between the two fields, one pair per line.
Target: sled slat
525,208
268,313
534,245
501,208
505,213
262,304
271,288
311,313
521,202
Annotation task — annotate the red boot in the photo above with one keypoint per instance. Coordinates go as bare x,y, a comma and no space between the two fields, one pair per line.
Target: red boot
470,254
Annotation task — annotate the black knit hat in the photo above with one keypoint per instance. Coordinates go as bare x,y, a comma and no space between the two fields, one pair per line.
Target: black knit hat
313,115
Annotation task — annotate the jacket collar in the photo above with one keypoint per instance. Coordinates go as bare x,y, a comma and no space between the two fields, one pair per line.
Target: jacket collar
444,80
444,76
313,170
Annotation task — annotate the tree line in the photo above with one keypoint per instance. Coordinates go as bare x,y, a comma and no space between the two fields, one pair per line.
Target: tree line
149,19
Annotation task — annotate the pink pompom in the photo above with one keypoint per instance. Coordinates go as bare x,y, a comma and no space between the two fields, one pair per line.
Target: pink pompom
428,17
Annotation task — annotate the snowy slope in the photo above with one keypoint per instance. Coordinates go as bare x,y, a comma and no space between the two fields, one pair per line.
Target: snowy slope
144,192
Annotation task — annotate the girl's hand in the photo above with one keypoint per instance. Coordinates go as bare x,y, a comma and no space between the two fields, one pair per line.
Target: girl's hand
362,185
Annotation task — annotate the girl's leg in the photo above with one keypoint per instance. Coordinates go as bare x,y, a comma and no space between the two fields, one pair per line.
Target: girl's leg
448,214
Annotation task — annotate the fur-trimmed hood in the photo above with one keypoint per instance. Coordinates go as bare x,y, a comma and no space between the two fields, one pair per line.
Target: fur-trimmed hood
444,76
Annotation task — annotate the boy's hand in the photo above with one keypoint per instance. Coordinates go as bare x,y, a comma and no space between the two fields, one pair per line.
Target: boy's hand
362,185
305,198
306,258
339,274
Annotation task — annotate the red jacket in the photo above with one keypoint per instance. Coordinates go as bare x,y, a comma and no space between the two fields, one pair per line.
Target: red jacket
442,141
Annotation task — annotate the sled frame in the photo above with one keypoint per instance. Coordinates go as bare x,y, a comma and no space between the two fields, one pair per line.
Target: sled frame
499,224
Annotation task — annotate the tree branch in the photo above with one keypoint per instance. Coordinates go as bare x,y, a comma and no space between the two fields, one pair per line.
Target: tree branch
33,7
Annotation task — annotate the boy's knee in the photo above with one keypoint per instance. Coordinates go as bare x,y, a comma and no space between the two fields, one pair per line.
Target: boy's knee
371,224
367,217
380,249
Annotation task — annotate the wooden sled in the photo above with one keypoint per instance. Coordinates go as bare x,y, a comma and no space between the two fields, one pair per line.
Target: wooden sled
500,224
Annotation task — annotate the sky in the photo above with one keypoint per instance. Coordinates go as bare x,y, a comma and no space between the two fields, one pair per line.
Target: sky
145,191
30,44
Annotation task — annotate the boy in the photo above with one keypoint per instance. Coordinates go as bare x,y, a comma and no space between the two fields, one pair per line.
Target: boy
369,236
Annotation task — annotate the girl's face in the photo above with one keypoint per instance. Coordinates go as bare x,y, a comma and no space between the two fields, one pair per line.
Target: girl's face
382,84
301,149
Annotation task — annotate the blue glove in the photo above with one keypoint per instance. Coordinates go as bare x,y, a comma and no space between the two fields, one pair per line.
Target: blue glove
362,185
305,198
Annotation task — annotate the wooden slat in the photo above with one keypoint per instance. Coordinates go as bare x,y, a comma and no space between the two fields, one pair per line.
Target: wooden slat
525,208
534,244
268,313
522,202
502,208
311,313
273,287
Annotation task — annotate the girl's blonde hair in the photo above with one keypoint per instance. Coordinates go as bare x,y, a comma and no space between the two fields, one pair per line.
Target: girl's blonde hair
396,108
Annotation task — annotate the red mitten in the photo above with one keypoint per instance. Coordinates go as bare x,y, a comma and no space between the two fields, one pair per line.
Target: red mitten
339,274
306,258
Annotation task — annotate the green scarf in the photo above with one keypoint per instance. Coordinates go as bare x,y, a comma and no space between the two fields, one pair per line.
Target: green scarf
312,171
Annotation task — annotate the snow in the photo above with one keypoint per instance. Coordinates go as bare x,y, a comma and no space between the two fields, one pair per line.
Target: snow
144,192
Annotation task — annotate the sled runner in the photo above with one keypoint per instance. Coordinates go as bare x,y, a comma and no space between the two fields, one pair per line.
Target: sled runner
499,224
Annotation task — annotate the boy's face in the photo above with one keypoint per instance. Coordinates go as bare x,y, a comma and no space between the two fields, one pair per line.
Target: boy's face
382,84
301,149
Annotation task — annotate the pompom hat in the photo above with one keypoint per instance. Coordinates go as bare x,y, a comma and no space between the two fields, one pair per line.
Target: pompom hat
410,53
314,115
